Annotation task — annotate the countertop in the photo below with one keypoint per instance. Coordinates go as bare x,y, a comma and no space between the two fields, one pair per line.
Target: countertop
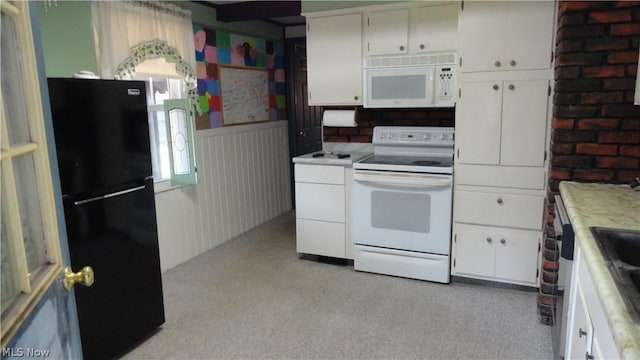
330,158
612,206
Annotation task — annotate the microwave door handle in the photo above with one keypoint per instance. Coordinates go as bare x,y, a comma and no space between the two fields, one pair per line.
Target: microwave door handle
422,183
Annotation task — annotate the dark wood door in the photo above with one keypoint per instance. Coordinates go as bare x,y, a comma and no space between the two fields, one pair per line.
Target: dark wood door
305,120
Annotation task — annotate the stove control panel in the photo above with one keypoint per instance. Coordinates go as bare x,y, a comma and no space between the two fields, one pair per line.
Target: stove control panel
413,136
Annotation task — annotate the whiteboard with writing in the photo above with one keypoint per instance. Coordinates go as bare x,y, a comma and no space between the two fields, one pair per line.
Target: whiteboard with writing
245,95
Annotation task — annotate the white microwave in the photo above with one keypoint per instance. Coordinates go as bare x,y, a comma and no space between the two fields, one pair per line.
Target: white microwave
427,80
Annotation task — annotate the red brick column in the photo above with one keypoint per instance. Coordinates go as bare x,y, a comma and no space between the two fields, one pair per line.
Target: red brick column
595,134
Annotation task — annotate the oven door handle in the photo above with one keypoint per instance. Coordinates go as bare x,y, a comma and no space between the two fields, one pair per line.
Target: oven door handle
414,182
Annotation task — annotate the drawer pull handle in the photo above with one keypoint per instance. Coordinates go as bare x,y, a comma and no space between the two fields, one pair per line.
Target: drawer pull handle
512,63
489,240
496,87
500,201
503,241
497,63
581,332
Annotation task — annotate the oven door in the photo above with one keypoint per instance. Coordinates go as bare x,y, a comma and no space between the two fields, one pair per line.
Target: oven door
406,211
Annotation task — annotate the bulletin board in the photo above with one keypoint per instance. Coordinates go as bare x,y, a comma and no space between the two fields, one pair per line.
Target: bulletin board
244,95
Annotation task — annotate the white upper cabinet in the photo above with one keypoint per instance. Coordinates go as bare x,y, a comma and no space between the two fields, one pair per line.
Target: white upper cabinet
334,59
502,123
433,28
506,35
411,30
387,32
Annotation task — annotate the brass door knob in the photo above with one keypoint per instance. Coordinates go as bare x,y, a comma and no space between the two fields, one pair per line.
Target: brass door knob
83,277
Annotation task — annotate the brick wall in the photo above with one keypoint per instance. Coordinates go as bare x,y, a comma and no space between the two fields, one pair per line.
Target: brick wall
370,118
595,127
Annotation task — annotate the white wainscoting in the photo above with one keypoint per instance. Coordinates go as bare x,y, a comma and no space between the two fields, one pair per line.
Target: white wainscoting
243,181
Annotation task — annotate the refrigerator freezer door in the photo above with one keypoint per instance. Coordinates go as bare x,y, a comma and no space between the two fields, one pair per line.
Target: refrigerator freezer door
101,132
117,236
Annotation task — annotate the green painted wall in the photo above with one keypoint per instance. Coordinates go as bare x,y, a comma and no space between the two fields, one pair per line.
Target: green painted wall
67,35
67,38
320,5
206,15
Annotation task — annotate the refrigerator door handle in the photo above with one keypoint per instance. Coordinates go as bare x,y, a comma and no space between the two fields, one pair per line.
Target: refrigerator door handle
117,193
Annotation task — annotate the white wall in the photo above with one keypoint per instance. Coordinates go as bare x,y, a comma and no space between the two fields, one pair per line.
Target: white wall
243,181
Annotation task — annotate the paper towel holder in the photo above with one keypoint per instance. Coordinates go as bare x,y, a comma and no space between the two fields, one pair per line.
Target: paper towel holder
350,119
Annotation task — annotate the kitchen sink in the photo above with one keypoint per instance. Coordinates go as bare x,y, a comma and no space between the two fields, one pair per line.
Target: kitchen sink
621,251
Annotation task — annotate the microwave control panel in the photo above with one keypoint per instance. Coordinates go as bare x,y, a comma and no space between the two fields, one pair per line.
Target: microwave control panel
445,85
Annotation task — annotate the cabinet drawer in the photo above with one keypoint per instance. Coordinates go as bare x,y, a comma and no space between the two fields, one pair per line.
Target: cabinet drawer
517,211
516,177
320,174
320,238
320,202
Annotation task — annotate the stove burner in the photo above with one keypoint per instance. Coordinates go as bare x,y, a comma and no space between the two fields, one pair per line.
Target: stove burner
426,162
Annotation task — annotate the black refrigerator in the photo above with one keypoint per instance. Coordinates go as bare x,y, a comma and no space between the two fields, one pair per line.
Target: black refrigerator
102,141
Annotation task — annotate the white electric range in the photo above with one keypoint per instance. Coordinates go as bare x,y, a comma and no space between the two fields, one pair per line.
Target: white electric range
402,203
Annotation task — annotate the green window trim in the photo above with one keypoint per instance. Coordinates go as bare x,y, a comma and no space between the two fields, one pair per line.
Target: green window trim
181,139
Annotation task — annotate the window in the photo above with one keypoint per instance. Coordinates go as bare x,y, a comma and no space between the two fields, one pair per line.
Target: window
30,248
172,142
153,41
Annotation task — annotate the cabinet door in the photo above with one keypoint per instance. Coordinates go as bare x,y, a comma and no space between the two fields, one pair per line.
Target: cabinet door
433,28
529,35
482,33
387,32
517,256
334,60
524,122
478,123
473,251
581,337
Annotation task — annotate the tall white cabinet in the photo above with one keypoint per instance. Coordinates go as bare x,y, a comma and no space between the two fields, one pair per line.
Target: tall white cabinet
507,35
502,127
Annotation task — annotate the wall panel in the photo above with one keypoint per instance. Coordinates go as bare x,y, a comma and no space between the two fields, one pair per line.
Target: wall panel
243,181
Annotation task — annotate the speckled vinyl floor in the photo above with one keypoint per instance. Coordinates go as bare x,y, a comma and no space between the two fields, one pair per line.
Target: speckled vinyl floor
254,298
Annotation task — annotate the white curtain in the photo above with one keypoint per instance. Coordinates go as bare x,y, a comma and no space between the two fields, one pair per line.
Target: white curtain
121,26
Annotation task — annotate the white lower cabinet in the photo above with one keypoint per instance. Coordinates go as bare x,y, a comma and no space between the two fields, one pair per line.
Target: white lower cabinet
494,253
581,344
497,235
322,210
588,333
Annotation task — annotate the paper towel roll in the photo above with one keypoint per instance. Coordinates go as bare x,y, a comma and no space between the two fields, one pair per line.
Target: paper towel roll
339,118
